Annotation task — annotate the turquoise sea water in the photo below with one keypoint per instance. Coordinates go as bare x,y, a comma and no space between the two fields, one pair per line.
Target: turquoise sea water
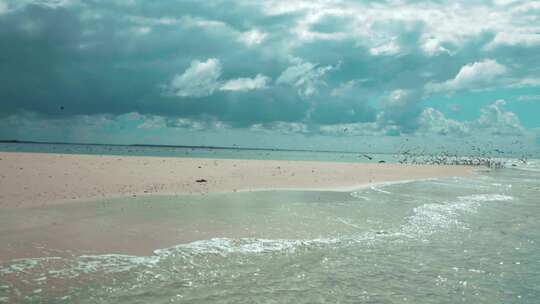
164,151
455,240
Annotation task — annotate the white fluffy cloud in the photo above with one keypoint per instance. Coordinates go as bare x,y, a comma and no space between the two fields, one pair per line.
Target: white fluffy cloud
306,77
444,23
388,49
433,121
514,39
398,46
152,122
253,37
523,82
499,121
432,47
199,80
202,78
473,76
246,84
494,120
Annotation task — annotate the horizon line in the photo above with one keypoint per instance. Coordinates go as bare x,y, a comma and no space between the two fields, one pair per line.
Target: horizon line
234,147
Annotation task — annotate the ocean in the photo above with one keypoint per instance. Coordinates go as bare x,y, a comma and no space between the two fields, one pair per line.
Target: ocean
199,152
449,240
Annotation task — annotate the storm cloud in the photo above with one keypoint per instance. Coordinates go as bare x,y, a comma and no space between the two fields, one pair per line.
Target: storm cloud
305,66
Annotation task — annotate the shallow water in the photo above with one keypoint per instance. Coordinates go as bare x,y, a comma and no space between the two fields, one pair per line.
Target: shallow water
472,240
222,153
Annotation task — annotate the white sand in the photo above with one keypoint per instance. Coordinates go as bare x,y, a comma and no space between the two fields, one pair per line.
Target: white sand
35,179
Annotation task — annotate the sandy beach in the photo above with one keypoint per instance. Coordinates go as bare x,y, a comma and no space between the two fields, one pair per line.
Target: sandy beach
37,180
52,202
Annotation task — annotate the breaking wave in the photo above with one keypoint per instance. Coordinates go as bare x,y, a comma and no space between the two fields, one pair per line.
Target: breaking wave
425,220
430,218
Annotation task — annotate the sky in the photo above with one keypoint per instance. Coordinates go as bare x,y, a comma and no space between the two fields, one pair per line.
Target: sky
318,74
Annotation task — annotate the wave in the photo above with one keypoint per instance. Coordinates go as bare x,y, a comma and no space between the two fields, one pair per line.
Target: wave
430,218
425,220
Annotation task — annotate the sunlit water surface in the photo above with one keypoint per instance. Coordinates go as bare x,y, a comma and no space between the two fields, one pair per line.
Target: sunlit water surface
472,240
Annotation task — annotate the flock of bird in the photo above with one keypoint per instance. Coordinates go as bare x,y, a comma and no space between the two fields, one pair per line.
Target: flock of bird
490,158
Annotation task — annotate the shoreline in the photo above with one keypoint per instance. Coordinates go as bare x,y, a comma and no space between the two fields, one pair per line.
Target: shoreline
52,203
43,179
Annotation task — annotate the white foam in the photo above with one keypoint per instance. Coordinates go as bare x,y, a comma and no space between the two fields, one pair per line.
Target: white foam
379,190
425,220
430,218
226,246
23,265
67,268
485,197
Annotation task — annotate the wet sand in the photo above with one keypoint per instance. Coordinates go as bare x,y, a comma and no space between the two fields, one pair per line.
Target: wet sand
38,180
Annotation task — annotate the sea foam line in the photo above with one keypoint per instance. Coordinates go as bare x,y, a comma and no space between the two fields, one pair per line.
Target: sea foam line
426,220
433,217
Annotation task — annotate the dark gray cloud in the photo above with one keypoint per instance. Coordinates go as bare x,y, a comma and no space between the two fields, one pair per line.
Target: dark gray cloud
315,63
